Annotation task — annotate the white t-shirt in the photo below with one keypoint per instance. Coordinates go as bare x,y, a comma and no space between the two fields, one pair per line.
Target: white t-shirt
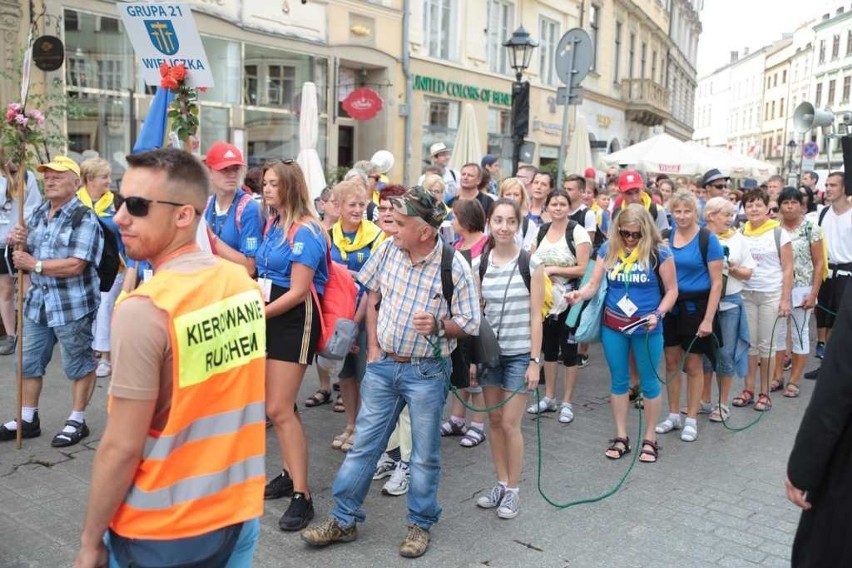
559,254
509,317
590,221
767,274
526,240
838,236
739,255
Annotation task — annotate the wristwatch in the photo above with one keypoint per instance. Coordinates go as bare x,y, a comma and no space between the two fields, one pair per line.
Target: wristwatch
441,331
660,315
39,267
536,360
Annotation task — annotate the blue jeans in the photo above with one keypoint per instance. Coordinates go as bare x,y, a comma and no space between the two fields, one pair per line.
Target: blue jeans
647,349
243,550
387,387
75,347
509,375
729,321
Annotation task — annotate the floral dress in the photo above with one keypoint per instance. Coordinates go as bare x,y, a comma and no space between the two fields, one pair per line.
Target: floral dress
802,238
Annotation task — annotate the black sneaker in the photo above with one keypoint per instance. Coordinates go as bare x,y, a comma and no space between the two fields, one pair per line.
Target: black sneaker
28,430
813,375
582,361
278,487
298,514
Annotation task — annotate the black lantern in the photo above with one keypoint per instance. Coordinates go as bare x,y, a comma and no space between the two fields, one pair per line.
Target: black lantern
520,47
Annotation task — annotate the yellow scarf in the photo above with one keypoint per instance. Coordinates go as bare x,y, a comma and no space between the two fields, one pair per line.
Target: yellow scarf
767,226
104,203
598,212
368,234
727,234
646,201
627,262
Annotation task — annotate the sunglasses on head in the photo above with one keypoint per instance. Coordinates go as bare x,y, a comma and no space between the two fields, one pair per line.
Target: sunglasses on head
139,206
630,234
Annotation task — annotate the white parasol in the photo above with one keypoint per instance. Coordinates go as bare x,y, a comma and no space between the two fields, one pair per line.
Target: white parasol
308,158
579,154
466,147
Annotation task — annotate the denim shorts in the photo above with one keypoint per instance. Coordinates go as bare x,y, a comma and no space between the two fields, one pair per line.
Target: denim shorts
510,375
75,347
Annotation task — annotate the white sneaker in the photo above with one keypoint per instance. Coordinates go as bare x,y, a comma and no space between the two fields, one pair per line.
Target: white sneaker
384,467
509,505
669,424
546,404
493,499
566,413
104,369
398,483
690,432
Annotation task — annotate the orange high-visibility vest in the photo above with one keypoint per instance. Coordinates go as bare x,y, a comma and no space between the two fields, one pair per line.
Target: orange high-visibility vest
205,469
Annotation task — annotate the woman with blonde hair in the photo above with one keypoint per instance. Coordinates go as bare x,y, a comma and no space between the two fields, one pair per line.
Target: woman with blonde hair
634,261
291,261
513,188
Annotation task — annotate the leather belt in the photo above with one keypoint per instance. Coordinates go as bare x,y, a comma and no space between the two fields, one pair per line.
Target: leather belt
398,358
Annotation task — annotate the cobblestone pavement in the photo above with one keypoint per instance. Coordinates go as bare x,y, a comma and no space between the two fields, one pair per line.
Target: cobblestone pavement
716,502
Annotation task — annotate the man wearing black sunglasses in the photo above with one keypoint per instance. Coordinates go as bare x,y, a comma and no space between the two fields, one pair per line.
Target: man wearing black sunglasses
187,389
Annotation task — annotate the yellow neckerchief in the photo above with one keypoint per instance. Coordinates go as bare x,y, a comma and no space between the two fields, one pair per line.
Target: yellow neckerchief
598,211
626,264
367,235
376,197
727,234
765,228
646,201
104,203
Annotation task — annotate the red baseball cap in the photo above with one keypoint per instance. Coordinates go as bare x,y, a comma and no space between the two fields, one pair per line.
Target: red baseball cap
630,179
590,173
222,155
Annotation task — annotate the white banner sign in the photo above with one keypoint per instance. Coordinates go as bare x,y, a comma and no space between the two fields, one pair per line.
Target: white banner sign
166,33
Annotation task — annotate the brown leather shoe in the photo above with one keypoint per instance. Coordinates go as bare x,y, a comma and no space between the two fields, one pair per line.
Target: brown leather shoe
416,542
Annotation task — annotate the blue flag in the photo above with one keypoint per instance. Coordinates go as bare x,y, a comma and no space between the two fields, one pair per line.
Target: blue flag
154,128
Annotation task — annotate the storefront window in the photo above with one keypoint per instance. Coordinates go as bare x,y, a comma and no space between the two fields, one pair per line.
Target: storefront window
440,123
274,78
500,136
99,55
274,135
224,58
214,125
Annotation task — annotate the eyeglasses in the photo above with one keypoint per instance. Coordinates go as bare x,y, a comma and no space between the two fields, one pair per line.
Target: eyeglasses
636,235
773,210
139,206
384,208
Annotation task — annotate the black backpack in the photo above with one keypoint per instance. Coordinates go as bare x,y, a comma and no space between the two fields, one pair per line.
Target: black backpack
569,235
110,259
523,266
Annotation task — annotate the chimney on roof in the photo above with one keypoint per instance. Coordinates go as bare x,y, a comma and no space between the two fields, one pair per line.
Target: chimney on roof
735,55
745,52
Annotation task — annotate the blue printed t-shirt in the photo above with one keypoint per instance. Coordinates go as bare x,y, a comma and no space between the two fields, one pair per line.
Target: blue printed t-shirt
640,284
246,238
692,273
354,259
275,257
141,266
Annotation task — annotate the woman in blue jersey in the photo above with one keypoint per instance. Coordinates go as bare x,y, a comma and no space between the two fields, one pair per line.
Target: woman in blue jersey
290,261
353,239
689,329
634,261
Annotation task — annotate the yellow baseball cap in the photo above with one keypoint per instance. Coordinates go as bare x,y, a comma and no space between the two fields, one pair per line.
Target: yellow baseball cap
60,164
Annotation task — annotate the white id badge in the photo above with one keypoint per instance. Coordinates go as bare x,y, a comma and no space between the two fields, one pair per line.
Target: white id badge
147,274
627,306
265,288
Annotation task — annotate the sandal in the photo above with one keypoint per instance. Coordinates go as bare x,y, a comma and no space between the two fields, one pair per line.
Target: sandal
338,405
472,438
776,385
450,428
763,403
651,449
65,439
318,399
624,448
743,399
348,443
792,390
633,393
341,439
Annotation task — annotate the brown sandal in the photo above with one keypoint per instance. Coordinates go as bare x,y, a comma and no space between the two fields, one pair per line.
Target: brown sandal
318,399
338,405
624,448
776,385
792,390
651,449
764,403
743,399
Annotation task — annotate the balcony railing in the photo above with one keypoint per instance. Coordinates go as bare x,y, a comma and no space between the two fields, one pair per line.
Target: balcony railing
648,102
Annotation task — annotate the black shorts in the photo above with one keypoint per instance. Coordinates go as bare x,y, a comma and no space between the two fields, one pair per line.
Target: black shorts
558,339
830,295
293,335
355,364
680,329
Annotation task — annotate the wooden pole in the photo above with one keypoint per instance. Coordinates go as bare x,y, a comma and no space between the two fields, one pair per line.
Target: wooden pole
21,182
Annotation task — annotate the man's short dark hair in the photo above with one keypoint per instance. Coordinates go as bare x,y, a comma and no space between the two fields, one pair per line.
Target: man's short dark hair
581,181
791,194
183,170
813,174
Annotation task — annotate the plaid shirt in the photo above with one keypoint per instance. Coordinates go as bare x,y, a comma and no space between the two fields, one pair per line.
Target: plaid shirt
57,301
408,288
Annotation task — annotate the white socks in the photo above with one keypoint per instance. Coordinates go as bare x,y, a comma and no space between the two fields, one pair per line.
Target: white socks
27,414
79,416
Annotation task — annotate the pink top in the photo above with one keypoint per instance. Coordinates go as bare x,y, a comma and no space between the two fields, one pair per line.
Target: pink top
476,249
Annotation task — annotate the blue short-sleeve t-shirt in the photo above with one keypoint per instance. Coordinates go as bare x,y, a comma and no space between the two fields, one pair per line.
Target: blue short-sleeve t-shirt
245,237
641,284
692,273
354,259
275,256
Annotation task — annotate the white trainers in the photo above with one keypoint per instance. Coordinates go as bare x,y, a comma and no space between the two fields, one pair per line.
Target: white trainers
546,404
566,413
690,432
671,423
509,505
398,483
493,498
384,467
104,369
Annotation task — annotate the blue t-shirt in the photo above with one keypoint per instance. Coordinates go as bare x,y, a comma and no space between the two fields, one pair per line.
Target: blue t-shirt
275,257
246,238
692,273
640,285
354,259
141,267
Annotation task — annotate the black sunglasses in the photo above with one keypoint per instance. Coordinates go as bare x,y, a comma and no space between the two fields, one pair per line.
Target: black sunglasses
720,185
630,234
139,206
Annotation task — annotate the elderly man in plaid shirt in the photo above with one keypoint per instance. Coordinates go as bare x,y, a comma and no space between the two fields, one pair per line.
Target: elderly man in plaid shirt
403,369
61,254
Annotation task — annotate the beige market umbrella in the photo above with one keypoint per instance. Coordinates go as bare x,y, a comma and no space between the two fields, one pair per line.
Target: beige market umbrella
308,158
466,147
579,154
662,153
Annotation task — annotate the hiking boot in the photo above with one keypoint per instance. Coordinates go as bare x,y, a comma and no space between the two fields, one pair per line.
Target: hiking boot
494,497
385,467
278,487
398,483
298,514
416,542
28,430
509,505
328,532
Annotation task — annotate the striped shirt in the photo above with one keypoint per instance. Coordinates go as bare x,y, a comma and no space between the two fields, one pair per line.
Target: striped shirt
408,288
509,318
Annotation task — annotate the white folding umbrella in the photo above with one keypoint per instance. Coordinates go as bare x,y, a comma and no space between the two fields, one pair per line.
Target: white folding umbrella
734,164
662,153
579,154
308,159
466,147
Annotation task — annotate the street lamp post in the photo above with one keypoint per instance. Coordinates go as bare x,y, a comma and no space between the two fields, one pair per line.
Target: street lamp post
791,163
521,47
